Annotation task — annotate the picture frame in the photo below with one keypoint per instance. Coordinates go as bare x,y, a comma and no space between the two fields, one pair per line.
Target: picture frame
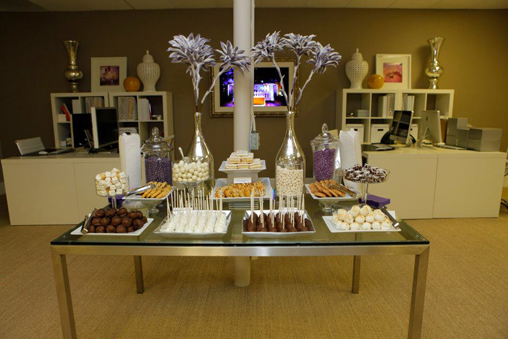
108,74
268,99
395,70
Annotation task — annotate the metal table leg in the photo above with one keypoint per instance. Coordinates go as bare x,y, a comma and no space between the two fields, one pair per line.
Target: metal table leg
418,295
357,259
63,293
138,270
242,271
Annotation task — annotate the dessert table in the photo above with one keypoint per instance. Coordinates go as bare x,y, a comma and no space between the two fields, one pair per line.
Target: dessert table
234,244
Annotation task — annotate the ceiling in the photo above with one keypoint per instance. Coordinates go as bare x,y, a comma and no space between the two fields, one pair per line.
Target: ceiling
107,5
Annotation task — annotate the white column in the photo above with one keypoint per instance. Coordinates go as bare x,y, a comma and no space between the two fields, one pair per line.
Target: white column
242,17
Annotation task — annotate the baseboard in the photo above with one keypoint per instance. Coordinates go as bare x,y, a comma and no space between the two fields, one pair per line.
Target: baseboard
2,188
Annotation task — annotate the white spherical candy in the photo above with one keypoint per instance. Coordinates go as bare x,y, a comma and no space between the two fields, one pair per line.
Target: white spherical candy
370,217
354,226
336,220
288,181
344,226
360,219
354,211
366,226
365,210
376,225
386,225
341,214
349,218
379,217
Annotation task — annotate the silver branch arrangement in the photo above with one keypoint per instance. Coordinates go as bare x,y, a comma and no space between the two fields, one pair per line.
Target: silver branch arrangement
301,45
195,52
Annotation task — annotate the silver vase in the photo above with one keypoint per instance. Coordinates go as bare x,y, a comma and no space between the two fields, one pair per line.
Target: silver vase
72,74
434,70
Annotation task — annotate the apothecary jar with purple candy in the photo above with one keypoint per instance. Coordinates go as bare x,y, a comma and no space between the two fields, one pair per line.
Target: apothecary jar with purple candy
325,152
157,156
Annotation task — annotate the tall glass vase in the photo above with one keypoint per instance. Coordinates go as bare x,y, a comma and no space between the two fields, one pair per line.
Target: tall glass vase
290,162
434,70
197,172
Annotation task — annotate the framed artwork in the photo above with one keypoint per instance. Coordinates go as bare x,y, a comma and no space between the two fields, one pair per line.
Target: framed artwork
108,74
268,99
395,69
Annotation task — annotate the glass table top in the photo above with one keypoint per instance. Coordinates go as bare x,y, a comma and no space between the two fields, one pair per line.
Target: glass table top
234,236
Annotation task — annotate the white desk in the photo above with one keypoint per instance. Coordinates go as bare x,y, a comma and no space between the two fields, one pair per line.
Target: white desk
440,183
56,189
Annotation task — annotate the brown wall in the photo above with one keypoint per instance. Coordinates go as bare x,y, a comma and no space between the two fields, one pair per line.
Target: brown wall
33,59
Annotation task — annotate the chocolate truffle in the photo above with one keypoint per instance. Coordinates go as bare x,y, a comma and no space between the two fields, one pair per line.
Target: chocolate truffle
105,221
99,213
122,212
121,229
133,215
126,221
100,229
91,229
145,219
116,220
138,223
140,215
96,221
130,229
111,212
110,229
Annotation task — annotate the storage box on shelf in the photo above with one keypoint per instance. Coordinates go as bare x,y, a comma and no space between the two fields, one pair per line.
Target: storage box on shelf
144,110
352,105
74,103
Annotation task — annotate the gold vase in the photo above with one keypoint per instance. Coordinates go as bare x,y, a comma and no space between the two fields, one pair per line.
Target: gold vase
72,74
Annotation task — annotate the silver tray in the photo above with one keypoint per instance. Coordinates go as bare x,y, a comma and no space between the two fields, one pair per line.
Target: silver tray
193,235
136,233
347,197
136,197
221,182
275,235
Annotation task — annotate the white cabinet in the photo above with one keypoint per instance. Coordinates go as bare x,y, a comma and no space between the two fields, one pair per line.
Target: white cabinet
75,103
369,107
143,111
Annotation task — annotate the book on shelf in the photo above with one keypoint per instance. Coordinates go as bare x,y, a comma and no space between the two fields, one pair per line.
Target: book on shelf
144,109
408,102
65,110
93,102
76,106
385,106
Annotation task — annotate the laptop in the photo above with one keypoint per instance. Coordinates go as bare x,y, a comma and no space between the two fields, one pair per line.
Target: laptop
34,146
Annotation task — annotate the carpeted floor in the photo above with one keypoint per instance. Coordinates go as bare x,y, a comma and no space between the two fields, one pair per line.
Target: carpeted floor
467,291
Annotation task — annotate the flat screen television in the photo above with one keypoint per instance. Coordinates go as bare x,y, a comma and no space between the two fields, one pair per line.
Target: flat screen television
80,123
401,125
104,126
430,127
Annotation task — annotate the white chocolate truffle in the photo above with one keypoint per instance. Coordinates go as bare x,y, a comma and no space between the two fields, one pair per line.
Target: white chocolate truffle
341,213
349,218
344,226
376,225
354,226
370,218
379,217
365,210
360,219
386,225
336,220
366,226
354,211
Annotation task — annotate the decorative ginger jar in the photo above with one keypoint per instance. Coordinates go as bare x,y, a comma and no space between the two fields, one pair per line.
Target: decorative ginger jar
356,70
149,72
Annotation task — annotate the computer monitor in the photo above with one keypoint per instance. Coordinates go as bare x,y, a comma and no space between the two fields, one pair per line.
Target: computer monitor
104,126
430,127
401,124
80,123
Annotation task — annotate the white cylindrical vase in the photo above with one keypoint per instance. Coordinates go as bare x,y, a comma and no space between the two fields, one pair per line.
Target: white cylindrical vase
149,72
356,70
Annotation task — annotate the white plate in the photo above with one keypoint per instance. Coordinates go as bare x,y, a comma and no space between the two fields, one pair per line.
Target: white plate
202,235
245,171
137,197
136,233
272,235
347,197
331,226
221,182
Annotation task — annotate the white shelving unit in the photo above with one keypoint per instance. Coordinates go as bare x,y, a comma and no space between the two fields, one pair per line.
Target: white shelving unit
360,108
61,127
161,104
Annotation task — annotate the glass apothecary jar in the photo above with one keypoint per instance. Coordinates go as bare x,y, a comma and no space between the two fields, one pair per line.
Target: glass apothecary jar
157,157
325,152
290,162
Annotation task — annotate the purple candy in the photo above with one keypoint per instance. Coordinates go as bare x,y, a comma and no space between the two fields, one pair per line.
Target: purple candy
159,169
324,164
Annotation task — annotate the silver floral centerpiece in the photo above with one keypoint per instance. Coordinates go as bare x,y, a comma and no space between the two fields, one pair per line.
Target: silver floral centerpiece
290,160
197,167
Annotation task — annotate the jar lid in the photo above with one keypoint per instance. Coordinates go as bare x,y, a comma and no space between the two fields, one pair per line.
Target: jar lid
325,137
147,57
156,143
357,55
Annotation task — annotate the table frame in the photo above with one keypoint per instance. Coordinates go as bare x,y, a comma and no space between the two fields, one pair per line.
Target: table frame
420,251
